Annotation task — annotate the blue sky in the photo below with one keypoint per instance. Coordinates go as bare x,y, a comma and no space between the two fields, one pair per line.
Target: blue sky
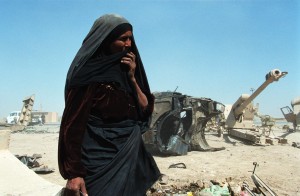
214,49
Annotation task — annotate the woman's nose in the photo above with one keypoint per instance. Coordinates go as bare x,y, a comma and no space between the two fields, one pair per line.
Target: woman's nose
128,43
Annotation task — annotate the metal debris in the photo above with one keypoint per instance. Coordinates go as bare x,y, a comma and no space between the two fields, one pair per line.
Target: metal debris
178,165
178,123
29,161
296,144
191,189
32,163
212,187
262,187
292,115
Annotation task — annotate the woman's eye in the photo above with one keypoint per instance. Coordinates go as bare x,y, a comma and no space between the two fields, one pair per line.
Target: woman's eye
124,39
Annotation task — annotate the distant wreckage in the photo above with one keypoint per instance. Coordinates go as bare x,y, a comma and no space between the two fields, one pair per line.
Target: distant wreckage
179,121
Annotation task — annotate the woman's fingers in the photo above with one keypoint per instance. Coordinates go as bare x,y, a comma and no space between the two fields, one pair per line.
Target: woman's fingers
129,60
131,55
76,186
83,189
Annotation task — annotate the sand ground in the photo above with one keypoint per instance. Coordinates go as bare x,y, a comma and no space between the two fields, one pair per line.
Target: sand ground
279,165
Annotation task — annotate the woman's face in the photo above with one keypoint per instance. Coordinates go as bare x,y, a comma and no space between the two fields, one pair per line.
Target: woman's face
122,43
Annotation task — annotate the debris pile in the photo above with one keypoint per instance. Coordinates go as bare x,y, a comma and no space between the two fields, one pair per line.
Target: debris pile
296,144
38,129
226,187
32,163
192,189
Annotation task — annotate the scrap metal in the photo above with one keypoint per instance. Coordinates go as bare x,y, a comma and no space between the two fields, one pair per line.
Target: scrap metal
260,184
178,123
292,115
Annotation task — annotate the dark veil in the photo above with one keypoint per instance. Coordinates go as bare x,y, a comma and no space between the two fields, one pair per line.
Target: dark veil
85,70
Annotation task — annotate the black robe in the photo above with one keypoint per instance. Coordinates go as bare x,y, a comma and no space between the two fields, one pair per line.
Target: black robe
107,152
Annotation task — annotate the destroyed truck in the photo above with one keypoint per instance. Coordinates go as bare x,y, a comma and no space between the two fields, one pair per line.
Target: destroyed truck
178,123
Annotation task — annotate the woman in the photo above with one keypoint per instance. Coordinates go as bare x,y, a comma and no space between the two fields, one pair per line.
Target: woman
108,107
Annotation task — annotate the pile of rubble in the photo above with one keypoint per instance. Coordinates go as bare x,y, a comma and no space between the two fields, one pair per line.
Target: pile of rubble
227,187
200,188
32,163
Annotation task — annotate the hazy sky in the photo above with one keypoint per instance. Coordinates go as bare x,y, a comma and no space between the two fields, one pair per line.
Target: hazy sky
213,49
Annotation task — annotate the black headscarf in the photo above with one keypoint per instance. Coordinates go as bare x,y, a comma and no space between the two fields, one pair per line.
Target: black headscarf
88,66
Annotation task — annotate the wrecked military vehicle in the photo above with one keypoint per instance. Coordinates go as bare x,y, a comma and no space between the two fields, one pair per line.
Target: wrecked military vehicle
240,116
292,115
178,123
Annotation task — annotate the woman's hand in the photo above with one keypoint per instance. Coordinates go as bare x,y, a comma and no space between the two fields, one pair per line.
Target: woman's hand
129,60
76,187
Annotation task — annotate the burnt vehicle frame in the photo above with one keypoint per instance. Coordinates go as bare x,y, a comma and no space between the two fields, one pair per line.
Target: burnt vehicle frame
178,123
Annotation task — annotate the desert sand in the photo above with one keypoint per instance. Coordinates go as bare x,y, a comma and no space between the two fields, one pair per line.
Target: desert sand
279,164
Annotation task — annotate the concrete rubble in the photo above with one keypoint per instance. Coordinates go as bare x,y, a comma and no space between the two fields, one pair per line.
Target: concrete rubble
19,179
